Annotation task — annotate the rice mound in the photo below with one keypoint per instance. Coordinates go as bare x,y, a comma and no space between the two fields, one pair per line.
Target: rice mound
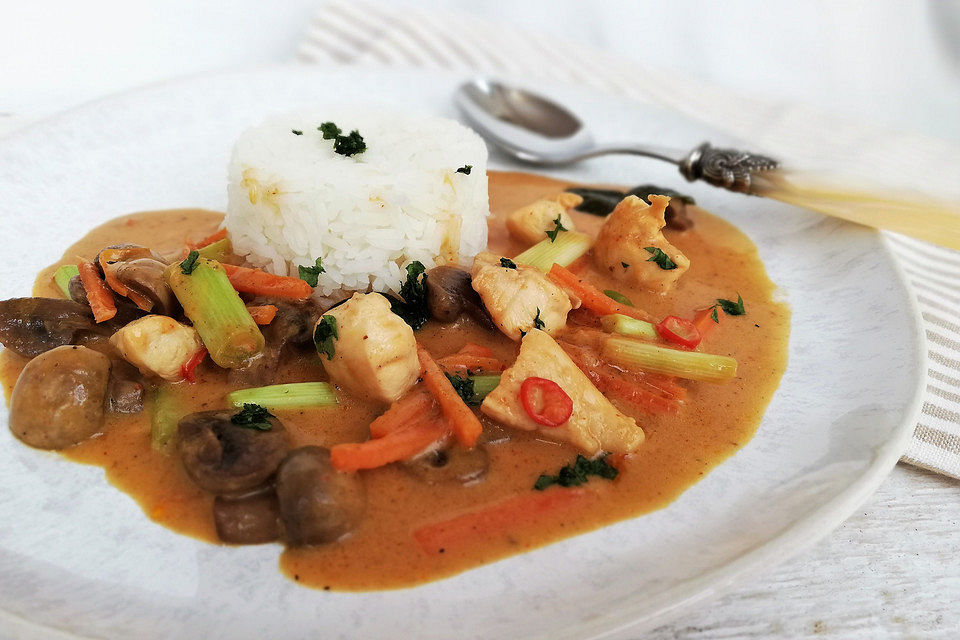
291,199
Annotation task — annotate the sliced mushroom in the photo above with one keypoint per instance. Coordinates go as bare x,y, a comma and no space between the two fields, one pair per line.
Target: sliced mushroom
291,327
449,294
143,278
31,326
59,397
127,311
454,464
250,519
318,503
224,458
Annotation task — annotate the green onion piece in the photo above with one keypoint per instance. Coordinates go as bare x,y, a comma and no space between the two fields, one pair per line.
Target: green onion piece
217,312
164,416
619,297
619,323
63,275
219,250
484,384
295,395
568,246
692,365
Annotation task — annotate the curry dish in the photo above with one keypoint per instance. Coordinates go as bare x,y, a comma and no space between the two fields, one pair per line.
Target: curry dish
586,369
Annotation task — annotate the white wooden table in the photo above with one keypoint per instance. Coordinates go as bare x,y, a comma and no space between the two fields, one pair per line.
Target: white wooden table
891,571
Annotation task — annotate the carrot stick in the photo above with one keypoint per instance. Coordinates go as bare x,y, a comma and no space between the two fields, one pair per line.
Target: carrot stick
704,322
261,283
403,443
464,423
263,314
476,350
495,519
404,410
461,362
638,396
98,294
219,234
591,297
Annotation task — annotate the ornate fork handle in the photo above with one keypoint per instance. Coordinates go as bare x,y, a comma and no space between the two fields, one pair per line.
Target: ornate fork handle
728,168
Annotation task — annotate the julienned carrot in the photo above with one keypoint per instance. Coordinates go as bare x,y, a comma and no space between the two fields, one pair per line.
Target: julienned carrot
591,297
497,519
704,322
261,283
643,398
263,314
474,349
462,421
401,444
404,410
464,362
219,234
98,294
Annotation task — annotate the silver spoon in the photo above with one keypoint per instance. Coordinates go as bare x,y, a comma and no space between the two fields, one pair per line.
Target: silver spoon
534,129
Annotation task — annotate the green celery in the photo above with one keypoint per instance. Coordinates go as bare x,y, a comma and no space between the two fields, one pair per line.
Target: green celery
63,275
294,395
568,246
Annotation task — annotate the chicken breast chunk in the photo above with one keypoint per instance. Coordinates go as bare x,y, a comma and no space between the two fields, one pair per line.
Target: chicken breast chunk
531,222
595,424
519,298
157,345
375,353
629,243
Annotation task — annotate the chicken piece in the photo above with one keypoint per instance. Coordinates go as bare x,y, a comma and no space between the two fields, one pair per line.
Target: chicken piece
621,246
531,222
595,424
375,353
519,299
157,345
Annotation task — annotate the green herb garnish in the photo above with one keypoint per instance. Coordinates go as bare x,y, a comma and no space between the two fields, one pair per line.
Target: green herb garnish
329,130
576,474
310,274
188,265
253,416
552,234
663,260
412,306
465,169
324,335
625,265
350,144
729,307
464,388
619,297
537,322
296,132
507,263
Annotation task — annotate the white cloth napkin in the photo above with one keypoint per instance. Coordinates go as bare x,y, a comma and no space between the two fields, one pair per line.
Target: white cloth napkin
358,33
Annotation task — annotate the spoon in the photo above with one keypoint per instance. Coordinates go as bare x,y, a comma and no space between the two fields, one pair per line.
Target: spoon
537,130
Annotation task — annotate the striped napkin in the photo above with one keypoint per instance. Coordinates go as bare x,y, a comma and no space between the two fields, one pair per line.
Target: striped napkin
365,34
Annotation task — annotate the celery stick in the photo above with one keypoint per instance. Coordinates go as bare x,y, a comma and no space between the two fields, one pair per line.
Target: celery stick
691,365
568,246
216,311
219,250
164,416
295,395
484,384
619,323
63,275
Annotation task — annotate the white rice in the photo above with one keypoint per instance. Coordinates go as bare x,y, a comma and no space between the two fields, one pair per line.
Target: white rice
291,199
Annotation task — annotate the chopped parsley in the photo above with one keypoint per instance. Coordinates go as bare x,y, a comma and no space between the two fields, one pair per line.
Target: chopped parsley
350,144
310,274
619,297
552,234
296,132
412,306
188,265
465,169
663,260
464,388
576,474
507,263
324,335
329,130
253,416
729,307
537,322
625,265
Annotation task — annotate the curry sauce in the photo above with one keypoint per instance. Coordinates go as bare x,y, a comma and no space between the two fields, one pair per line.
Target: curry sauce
713,423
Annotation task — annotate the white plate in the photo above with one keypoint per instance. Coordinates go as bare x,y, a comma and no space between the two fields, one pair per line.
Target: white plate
78,556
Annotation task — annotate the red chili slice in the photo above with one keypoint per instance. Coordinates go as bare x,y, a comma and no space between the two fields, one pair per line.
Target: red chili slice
186,370
679,331
545,402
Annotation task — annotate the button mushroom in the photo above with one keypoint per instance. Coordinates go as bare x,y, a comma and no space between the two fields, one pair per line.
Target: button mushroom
250,519
454,464
449,293
30,326
136,272
58,399
318,503
225,458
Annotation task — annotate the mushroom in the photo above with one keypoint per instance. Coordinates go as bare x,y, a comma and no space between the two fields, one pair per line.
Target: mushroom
31,326
58,399
250,519
454,464
226,458
318,503
449,293
136,272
